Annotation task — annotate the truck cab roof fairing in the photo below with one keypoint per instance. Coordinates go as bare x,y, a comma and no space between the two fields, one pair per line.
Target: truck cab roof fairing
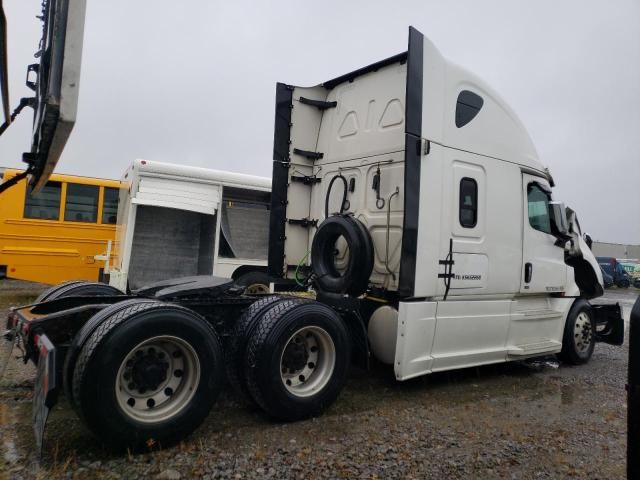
56,85
495,131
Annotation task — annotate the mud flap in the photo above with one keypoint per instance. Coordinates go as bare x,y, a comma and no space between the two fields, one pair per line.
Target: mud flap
609,324
45,394
7,341
349,309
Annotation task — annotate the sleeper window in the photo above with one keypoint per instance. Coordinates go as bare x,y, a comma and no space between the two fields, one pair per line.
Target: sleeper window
468,202
468,106
538,204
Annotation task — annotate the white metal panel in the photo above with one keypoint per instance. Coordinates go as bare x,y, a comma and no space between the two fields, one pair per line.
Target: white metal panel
470,333
305,124
199,175
362,204
369,116
416,328
178,194
537,322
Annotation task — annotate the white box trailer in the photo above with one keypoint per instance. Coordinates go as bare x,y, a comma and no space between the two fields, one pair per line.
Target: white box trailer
178,221
409,201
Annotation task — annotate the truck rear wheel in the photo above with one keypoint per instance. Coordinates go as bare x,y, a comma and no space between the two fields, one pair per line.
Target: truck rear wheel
83,335
236,351
579,337
297,359
148,375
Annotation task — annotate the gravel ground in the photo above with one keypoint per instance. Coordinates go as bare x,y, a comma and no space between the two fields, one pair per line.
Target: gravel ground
514,421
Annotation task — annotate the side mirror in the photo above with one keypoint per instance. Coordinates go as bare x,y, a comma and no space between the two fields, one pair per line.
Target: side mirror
559,227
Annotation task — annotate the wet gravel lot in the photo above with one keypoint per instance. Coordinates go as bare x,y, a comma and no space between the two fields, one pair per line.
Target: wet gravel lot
514,421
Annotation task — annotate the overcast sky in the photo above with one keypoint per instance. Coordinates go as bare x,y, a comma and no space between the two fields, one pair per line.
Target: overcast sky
193,82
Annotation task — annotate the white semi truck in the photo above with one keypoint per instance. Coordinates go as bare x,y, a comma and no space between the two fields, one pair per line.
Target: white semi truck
199,220
409,206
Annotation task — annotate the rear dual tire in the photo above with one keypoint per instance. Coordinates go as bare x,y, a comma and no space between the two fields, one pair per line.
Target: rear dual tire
235,354
297,359
137,389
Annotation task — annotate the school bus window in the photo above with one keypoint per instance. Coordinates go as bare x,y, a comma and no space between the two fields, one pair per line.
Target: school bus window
82,203
110,205
45,204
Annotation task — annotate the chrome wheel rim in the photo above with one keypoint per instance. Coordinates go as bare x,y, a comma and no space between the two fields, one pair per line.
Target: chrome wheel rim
583,333
307,361
157,379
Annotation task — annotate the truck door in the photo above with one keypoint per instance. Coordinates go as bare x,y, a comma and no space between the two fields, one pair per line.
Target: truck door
543,268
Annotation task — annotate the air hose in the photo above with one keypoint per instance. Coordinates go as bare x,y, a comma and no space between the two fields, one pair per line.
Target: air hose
344,195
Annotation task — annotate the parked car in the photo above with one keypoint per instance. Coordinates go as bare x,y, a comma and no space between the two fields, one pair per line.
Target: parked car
607,279
610,265
633,269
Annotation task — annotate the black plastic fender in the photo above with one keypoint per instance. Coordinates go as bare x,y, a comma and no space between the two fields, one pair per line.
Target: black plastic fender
79,289
44,296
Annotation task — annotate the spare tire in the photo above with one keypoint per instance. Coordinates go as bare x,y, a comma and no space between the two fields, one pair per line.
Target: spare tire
354,280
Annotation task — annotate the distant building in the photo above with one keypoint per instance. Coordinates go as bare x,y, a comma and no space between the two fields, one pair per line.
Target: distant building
617,250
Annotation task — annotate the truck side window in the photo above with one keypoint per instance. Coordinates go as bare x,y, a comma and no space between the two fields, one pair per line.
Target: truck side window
467,107
538,202
45,204
468,202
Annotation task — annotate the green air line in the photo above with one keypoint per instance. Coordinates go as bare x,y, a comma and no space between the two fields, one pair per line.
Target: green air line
298,268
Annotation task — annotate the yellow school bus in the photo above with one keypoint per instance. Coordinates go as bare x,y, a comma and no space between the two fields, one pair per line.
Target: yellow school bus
53,236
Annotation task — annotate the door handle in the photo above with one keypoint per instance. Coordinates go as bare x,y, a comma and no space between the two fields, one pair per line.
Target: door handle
528,272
